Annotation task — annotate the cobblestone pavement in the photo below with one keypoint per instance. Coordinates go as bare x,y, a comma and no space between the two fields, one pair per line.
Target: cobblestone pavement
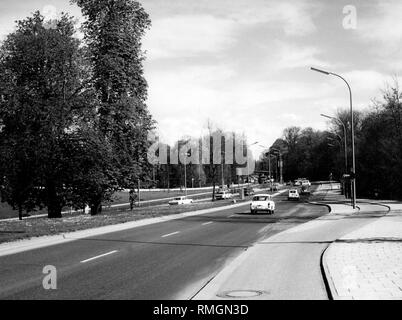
366,263
365,270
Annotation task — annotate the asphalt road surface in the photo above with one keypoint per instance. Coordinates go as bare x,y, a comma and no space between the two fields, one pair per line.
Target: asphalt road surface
169,260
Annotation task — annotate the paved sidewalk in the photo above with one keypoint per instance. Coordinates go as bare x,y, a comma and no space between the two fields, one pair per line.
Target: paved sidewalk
330,195
249,275
367,263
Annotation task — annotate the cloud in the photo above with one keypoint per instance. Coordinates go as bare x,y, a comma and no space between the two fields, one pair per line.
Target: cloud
383,26
288,117
216,26
366,80
294,18
188,36
365,84
291,56
183,100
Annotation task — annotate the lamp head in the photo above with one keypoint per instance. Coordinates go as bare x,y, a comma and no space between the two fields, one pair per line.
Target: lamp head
319,70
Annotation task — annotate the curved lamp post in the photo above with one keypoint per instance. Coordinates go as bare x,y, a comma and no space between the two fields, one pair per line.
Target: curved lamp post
353,172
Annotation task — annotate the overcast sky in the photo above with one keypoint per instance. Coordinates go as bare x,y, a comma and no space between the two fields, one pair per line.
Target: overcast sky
244,64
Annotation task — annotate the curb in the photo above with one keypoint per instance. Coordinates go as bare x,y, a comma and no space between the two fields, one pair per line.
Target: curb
329,206
320,204
8,248
326,275
378,204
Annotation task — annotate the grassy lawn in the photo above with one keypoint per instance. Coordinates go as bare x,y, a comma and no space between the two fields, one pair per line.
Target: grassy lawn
122,196
7,212
118,198
35,227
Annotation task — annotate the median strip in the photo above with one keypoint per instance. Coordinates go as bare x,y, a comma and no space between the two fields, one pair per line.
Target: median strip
100,256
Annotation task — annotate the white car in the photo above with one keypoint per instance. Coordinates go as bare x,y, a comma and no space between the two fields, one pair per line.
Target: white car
262,202
293,194
220,195
181,200
306,183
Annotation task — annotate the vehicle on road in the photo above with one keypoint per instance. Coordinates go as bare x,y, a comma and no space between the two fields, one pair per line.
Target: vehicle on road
249,191
306,183
262,202
181,200
274,186
305,189
293,194
297,182
221,195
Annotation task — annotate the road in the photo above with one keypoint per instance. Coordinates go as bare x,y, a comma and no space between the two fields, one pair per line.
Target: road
169,260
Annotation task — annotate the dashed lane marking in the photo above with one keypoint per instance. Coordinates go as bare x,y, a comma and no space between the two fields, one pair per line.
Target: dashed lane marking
170,234
100,256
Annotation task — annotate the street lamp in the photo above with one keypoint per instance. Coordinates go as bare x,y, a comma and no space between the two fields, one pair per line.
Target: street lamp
352,132
188,153
222,168
280,164
268,154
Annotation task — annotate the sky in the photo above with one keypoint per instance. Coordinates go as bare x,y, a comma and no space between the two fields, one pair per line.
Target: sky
244,65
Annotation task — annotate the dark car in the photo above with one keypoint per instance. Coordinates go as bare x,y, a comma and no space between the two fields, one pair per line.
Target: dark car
305,190
248,191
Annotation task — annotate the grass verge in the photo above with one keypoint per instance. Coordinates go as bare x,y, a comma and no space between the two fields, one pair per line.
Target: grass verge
120,197
36,227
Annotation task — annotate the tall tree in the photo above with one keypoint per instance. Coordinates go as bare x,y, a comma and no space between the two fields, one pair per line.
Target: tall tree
39,83
379,156
113,32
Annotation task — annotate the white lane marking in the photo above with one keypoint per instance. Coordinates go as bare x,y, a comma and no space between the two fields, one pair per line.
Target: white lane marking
204,224
170,234
100,256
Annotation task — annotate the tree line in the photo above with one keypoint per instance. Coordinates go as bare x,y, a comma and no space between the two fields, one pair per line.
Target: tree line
378,146
73,117
209,160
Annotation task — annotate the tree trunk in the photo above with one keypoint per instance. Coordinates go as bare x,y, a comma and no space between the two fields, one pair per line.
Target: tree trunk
53,202
54,210
19,212
96,206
